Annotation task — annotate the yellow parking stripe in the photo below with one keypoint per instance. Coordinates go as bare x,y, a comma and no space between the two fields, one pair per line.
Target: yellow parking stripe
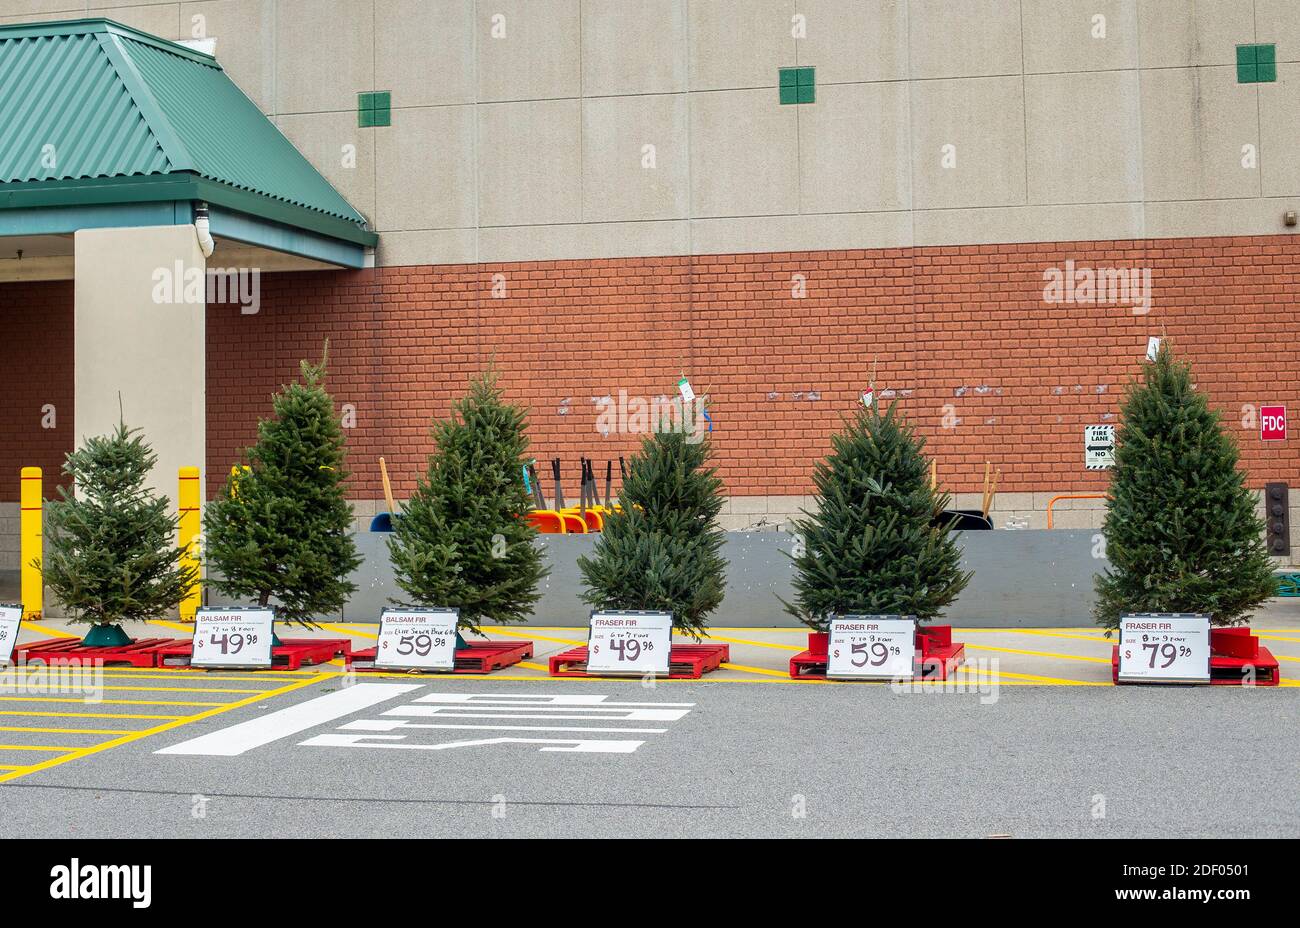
757,644
514,634
33,747
44,630
340,630
175,689
88,715
68,731
759,670
7,676
79,753
1030,631
1051,654
1278,638
81,701
178,626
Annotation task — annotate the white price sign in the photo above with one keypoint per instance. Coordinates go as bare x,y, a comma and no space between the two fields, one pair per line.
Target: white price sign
1158,648
629,642
871,647
417,639
232,638
11,618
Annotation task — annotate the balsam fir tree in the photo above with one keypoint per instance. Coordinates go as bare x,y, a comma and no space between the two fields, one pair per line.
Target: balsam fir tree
1182,533
662,552
877,544
463,539
280,528
110,541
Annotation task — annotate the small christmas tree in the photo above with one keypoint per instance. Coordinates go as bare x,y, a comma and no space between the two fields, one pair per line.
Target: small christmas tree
463,539
1181,529
111,545
877,544
280,528
662,551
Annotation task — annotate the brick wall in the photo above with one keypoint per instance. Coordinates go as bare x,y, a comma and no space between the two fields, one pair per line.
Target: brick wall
987,370
35,369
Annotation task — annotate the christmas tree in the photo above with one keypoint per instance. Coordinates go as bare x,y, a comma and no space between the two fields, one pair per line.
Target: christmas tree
662,551
1181,529
463,540
111,545
280,528
877,544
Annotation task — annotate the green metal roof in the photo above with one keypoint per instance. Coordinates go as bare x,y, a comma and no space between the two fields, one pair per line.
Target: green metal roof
91,104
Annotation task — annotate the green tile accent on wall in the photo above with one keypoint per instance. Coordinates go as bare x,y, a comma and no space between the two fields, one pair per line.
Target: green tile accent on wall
798,85
1256,64
375,109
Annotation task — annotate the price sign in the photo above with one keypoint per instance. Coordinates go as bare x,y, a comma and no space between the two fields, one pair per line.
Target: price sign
629,642
232,638
1164,648
871,647
417,639
11,618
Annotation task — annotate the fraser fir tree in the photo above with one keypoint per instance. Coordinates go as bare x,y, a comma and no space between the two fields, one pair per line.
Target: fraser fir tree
110,541
463,540
876,544
662,552
280,528
1181,529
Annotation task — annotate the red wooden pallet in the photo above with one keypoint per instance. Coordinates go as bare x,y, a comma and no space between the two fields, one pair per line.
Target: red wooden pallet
937,658
685,661
143,652
479,657
1232,652
289,654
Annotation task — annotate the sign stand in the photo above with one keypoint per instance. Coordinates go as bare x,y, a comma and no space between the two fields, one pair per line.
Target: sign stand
11,623
637,644
222,641
935,656
424,641
1179,648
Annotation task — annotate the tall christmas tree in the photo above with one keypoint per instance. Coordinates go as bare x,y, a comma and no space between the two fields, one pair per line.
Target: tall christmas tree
662,552
877,544
280,528
112,554
1181,529
463,540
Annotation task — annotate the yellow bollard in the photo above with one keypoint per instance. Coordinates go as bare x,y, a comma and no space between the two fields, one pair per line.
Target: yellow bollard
29,528
188,505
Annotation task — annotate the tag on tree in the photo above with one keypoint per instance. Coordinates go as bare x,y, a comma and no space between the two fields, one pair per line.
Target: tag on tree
868,397
688,395
1153,348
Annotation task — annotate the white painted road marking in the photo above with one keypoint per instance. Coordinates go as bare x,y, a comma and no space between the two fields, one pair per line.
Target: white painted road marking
597,746
237,739
398,724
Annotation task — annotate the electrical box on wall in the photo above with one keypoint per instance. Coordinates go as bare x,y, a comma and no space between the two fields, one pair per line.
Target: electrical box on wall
1276,512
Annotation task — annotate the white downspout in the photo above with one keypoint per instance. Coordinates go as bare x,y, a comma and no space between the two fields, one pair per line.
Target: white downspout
202,228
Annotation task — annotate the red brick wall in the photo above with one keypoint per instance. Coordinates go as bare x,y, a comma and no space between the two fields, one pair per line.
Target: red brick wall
35,369
964,327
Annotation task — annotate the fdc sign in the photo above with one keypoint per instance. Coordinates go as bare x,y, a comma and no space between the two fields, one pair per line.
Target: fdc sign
1272,423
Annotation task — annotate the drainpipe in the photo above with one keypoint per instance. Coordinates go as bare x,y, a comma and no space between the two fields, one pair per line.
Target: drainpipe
202,228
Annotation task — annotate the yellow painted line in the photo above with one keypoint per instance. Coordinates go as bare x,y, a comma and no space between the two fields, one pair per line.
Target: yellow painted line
1278,638
759,670
1054,681
531,666
81,701
179,626
1285,657
46,630
339,629
33,747
79,753
88,715
1288,682
529,634
1051,654
176,689
68,731
757,644
1031,631
60,672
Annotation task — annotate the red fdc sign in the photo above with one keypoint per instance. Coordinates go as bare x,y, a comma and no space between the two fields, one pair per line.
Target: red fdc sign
1272,423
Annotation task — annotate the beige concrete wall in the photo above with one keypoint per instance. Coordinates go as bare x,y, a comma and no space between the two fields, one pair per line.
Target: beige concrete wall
130,344
529,143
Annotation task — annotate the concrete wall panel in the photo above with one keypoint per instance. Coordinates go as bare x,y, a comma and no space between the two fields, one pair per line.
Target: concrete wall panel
538,55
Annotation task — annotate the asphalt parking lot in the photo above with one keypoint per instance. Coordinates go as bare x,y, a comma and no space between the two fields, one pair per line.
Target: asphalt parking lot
1032,741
